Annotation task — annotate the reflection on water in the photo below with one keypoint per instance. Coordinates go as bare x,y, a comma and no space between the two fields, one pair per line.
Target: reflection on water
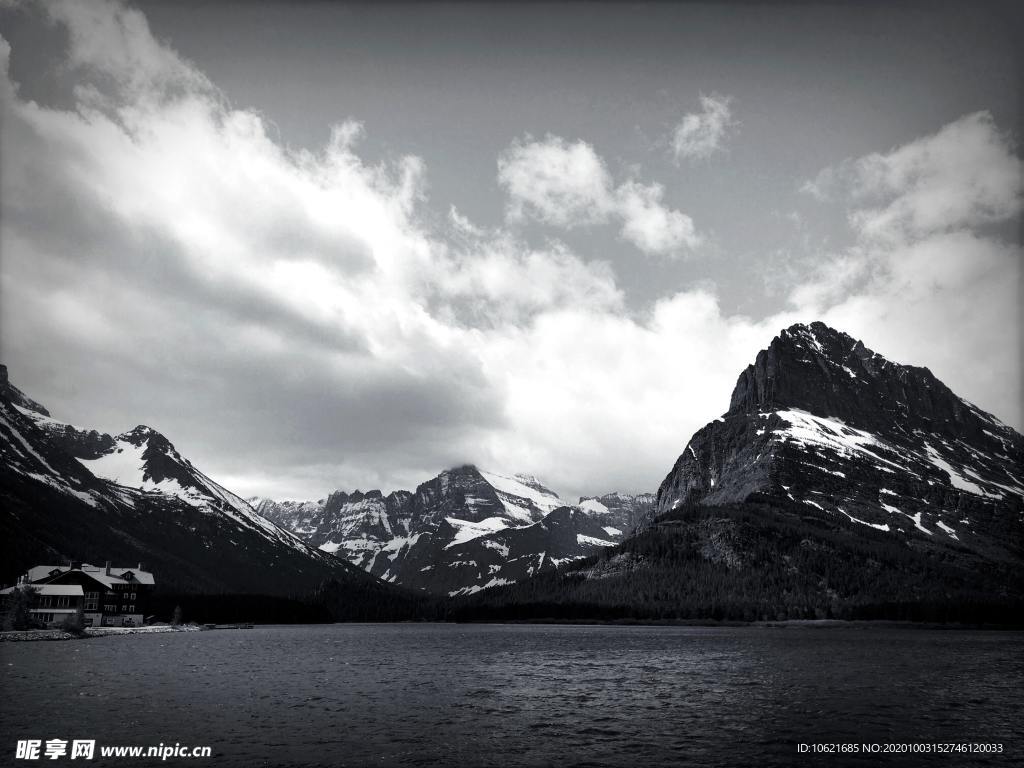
429,694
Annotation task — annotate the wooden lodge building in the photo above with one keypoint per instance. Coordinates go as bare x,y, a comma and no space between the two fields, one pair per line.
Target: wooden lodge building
108,596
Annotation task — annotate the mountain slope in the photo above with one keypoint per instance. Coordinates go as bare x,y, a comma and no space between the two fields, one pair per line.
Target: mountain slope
193,534
619,510
838,484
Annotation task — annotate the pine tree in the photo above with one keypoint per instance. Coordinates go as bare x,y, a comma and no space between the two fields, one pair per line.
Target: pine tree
16,608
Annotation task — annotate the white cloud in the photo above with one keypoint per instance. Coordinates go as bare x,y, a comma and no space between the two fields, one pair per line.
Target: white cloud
556,182
495,279
649,225
964,175
113,41
701,134
568,185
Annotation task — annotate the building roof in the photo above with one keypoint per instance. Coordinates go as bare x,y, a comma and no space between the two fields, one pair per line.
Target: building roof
53,590
60,590
98,572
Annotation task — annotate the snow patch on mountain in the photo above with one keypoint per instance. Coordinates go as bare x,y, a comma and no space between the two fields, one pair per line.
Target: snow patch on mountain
806,429
593,506
513,492
125,466
955,477
467,531
593,540
878,526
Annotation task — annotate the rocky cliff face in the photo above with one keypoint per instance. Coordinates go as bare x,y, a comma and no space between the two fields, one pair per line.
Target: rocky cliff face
821,420
622,511
353,526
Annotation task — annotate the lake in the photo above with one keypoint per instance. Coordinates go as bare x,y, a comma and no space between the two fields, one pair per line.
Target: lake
522,695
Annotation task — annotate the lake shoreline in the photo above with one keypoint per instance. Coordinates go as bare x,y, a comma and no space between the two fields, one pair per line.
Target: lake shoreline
784,624
51,635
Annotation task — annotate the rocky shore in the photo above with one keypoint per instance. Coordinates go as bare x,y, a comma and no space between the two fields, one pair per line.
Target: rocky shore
29,635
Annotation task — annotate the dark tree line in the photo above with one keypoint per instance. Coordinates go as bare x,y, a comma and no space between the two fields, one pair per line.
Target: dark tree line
331,601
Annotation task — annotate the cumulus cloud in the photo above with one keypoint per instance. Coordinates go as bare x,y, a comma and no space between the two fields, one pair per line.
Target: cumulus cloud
568,184
965,175
649,225
295,320
699,135
556,182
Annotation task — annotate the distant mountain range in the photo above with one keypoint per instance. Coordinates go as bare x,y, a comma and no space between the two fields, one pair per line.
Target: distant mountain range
463,531
838,483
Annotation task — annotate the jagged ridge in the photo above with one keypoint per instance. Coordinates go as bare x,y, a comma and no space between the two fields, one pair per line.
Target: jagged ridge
464,530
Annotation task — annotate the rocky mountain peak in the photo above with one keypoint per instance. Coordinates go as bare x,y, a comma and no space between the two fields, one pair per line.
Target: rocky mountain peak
14,395
355,496
796,363
815,368
142,434
822,421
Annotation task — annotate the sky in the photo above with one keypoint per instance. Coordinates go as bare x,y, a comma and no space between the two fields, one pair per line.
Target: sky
329,245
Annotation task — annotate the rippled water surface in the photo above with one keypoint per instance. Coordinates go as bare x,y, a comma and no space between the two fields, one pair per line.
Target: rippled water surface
429,694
